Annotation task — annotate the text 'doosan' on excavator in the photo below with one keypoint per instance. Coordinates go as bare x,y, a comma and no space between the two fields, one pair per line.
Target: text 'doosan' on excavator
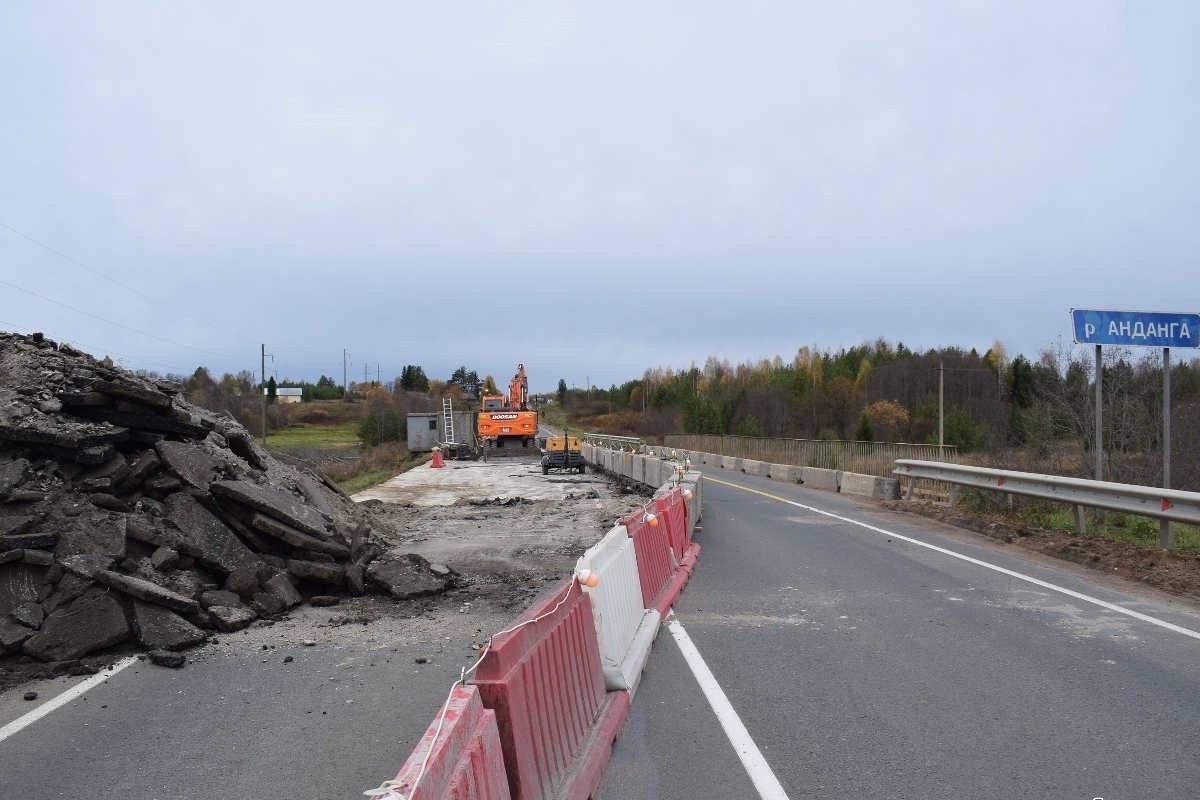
507,421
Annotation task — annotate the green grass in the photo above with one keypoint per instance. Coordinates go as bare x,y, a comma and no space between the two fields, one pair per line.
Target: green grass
367,479
341,435
1140,531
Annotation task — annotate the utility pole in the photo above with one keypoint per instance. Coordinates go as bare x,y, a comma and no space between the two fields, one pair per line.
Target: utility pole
263,375
1099,416
1166,536
377,366
941,408
345,374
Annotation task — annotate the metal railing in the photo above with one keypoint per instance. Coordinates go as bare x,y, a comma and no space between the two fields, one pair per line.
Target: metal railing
866,458
1167,505
613,442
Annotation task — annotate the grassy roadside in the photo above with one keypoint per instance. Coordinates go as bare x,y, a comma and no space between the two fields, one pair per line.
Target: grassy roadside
335,449
374,476
1140,531
337,436
1112,526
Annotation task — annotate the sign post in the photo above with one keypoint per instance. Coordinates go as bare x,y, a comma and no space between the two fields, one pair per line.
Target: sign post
1137,329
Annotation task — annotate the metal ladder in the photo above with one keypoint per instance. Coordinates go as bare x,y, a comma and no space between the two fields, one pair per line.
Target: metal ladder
448,420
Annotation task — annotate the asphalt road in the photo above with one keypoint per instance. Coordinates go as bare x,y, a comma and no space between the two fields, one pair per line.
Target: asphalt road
336,720
863,666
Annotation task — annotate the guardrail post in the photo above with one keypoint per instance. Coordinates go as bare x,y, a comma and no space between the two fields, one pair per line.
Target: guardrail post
1080,520
908,488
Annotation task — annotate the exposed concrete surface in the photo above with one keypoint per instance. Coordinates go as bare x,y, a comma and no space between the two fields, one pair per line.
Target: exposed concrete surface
502,478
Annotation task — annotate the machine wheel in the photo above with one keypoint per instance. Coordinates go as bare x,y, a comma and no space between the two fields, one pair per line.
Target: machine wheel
545,469
582,468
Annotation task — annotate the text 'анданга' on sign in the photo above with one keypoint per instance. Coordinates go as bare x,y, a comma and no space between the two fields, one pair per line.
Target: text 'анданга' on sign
1136,328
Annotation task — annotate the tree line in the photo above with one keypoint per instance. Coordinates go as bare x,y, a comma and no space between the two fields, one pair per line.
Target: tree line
1020,407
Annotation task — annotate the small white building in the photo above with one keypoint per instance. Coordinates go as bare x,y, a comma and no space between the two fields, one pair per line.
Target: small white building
287,394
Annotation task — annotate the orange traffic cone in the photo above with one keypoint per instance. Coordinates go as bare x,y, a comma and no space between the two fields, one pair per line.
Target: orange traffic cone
438,461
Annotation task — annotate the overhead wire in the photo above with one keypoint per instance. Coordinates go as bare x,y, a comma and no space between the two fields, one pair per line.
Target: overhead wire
75,261
105,320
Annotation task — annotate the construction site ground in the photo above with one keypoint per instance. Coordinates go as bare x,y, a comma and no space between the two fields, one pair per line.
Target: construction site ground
327,701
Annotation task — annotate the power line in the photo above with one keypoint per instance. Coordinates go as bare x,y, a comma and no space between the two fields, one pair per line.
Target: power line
138,331
76,262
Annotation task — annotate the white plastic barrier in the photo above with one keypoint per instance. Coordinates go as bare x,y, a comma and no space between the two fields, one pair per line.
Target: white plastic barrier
624,628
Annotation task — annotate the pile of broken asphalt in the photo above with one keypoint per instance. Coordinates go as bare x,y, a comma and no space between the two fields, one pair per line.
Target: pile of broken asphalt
129,516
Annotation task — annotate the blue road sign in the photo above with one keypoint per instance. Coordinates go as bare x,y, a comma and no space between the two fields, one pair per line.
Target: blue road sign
1136,328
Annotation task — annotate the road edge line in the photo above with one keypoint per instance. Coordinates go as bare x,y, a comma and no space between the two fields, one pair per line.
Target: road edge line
760,772
58,701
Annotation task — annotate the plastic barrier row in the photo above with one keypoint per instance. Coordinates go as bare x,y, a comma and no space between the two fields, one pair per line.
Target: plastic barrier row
550,695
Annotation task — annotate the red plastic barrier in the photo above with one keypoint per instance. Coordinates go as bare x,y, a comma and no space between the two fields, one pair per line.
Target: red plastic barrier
466,762
544,682
672,512
652,548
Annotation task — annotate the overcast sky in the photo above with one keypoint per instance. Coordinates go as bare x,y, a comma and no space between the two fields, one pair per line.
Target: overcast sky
589,188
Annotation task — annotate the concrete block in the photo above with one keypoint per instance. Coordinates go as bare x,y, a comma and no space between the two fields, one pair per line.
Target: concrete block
869,486
787,473
752,467
731,463
817,478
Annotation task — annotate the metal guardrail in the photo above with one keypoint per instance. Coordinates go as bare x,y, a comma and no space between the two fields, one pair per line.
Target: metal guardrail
866,458
1171,505
613,442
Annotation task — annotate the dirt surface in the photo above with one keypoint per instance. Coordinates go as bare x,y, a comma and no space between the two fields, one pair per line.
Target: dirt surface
502,525
1171,572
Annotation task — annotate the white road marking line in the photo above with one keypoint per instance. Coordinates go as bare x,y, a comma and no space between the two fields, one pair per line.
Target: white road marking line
752,759
1087,598
25,720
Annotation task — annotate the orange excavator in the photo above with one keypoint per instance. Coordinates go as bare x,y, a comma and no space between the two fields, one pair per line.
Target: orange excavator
507,421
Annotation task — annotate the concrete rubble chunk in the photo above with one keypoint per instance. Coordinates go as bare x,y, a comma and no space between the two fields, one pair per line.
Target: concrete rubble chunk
39,558
16,524
145,590
12,474
286,533
243,582
131,391
97,533
167,658
19,584
31,615
12,634
332,574
228,619
141,469
43,540
160,629
406,576
243,444
189,462
92,622
220,597
108,502
66,590
85,565
206,538
315,493
164,558
282,506
282,588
